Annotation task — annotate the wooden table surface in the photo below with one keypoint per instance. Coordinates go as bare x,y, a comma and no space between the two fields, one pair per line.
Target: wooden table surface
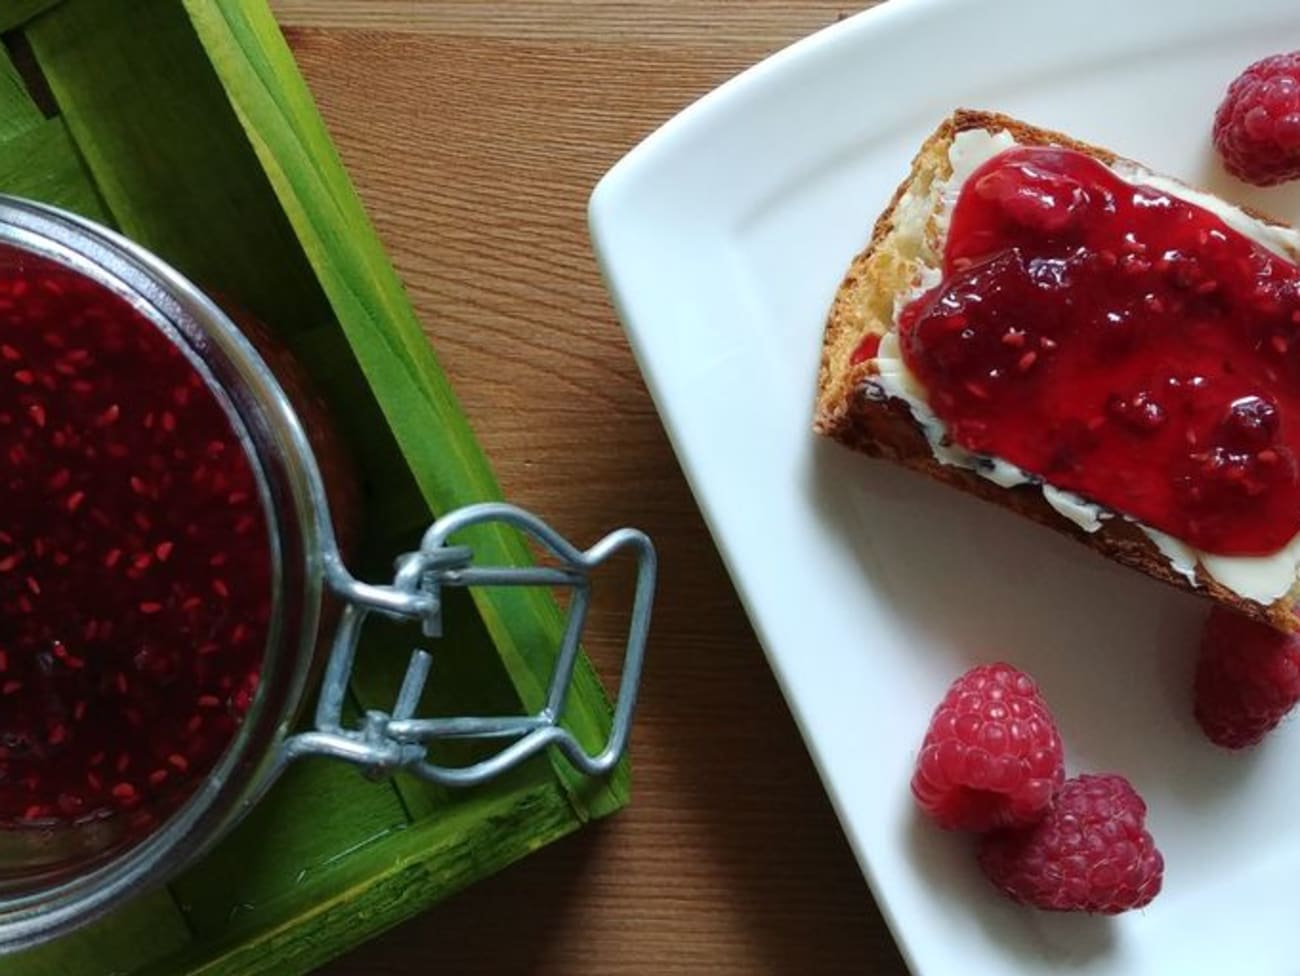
474,132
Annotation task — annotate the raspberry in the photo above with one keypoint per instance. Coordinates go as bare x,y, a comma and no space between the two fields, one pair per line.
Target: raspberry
1257,126
992,756
1035,198
1090,853
1247,679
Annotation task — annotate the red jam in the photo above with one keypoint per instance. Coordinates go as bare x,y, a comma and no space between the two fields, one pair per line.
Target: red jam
867,349
134,557
1119,343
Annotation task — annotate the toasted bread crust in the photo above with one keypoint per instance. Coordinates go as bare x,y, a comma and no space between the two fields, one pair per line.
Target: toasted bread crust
864,304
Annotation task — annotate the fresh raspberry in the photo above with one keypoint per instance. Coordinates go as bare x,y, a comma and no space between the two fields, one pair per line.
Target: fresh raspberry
1090,853
1257,126
992,756
1247,679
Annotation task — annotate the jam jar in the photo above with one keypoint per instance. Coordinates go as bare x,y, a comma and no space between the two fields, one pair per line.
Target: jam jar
173,586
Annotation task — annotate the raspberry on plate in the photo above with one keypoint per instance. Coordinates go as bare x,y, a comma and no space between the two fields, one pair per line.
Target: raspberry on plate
1090,853
1257,125
992,756
1247,679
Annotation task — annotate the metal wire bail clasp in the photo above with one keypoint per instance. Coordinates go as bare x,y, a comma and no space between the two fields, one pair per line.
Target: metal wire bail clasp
384,742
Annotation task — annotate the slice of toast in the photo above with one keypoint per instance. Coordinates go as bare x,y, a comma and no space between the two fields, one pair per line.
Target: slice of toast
907,239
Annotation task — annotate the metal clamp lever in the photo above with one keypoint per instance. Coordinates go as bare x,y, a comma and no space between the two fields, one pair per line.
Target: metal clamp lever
385,742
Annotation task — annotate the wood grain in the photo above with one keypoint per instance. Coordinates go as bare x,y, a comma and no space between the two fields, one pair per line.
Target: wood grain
742,24
475,132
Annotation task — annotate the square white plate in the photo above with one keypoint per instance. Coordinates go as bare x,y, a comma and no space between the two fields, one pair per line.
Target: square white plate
723,237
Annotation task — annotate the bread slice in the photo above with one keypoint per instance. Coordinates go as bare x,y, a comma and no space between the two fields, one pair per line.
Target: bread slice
851,412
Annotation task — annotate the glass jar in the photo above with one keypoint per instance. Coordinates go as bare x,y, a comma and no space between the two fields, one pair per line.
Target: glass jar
57,878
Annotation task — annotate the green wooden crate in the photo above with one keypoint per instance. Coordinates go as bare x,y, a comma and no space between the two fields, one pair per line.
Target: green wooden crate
185,124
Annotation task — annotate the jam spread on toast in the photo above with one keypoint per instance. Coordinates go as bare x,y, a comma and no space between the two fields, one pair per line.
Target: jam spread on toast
867,349
1120,343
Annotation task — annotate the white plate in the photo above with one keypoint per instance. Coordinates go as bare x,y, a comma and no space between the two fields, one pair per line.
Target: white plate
723,237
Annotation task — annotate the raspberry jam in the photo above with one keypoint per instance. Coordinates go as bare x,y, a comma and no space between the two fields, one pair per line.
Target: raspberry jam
1120,343
867,349
135,561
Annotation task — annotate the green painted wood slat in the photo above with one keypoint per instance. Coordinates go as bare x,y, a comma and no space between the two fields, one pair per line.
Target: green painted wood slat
18,12
286,131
